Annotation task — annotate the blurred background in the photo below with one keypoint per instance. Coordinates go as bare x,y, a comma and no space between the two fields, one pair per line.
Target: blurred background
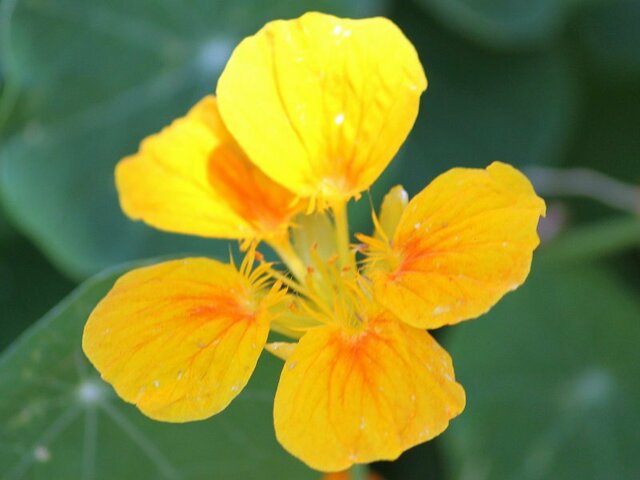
552,373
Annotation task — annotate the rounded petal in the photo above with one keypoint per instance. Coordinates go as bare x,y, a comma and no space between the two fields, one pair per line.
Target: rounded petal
357,397
322,104
179,339
193,178
462,243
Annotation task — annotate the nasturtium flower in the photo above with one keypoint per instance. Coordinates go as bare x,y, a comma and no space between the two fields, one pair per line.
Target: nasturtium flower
308,113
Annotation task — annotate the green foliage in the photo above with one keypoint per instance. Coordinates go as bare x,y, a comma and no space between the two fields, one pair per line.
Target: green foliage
29,285
502,23
608,32
58,420
482,106
550,376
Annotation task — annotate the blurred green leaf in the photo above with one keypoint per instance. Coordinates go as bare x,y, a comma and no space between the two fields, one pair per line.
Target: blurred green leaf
551,379
593,241
58,420
29,285
507,24
607,136
483,106
609,35
99,76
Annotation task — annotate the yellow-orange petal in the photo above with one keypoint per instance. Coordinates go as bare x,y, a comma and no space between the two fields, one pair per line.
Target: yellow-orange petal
393,204
179,339
322,104
193,178
462,243
348,397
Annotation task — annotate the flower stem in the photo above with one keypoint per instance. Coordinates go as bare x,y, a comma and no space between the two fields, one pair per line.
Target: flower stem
290,258
359,472
584,182
342,234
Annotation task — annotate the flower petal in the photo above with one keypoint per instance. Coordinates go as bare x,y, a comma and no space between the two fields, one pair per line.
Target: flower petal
322,104
461,244
356,397
193,178
179,339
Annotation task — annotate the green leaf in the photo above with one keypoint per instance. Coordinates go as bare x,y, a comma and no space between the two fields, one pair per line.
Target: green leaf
482,106
609,37
551,379
99,77
58,420
29,286
607,137
505,24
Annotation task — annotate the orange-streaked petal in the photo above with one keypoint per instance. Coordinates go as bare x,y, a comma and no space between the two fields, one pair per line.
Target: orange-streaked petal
179,339
462,243
393,204
356,397
193,178
322,104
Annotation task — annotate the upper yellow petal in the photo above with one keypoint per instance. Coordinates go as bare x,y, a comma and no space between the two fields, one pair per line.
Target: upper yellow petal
193,178
179,339
357,397
322,104
461,244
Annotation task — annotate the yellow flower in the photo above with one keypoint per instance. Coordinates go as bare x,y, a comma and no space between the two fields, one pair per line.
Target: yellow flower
308,114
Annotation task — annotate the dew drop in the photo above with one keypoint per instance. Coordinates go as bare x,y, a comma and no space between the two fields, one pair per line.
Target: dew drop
156,383
339,119
440,309
292,365
417,226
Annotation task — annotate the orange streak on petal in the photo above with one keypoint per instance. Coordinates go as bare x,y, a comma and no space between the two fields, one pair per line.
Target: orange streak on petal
179,339
461,244
357,397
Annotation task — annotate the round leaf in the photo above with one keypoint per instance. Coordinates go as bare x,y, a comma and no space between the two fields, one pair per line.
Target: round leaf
551,379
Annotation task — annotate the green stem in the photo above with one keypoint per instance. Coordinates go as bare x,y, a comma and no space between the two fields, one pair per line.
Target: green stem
584,182
342,235
359,472
290,258
593,241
